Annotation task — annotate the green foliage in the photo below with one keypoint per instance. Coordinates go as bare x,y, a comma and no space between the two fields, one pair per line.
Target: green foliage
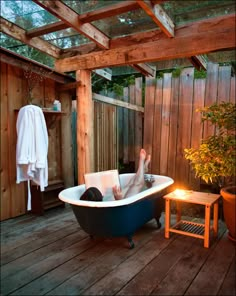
176,72
198,74
215,159
116,85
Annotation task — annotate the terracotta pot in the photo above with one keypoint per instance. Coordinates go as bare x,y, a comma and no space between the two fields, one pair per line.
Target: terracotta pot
229,208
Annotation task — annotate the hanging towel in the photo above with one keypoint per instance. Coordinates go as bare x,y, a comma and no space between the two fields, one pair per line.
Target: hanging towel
31,148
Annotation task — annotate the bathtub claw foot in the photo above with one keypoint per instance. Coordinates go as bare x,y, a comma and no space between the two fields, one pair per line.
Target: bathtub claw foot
131,243
158,223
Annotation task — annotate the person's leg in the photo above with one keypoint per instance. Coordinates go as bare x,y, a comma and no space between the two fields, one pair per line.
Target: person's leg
137,182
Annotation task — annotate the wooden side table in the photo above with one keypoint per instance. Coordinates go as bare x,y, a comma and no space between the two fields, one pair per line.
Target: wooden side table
190,228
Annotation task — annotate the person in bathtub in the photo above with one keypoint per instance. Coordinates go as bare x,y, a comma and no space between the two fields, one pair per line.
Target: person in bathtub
135,185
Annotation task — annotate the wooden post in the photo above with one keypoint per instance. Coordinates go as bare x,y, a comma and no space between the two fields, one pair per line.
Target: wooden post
66,140
85,124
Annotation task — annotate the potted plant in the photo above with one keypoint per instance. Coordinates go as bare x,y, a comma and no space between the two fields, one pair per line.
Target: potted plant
215,159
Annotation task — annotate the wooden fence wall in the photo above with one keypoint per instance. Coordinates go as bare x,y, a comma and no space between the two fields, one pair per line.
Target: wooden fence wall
13,96
171,122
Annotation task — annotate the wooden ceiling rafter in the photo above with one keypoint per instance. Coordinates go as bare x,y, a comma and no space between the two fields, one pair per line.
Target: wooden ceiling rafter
109,11
159,16
98,14
193,39
71,18
47,29
199,62
20,34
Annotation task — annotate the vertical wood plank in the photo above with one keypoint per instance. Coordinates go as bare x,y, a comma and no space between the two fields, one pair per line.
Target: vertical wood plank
66,140
131,123
173,128
224,84
210,94
157,123
185,120
18,205
233,90
197,126
149,116
165,123
85,122
126,130
138,127
5,186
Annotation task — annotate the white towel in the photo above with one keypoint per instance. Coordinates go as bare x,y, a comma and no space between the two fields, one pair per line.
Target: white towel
32,147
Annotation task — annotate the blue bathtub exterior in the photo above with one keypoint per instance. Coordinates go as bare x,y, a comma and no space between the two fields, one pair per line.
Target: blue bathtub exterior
120,221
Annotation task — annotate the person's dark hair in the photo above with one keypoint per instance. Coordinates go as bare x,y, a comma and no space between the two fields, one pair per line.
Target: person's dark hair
92,194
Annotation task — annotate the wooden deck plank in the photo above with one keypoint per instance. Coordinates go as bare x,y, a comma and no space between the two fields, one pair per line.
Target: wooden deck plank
63,260
228,287
216,266
27,247
124,272
181,274
118,254
148,278
34,231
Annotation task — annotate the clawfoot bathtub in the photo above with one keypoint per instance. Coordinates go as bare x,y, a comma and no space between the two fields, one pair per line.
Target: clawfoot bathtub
116,218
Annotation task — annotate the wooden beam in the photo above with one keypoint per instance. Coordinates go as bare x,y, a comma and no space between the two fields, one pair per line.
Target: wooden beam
145,69
199,62
68,86
19,61
109,11
103,74
46,29
70,17
159,16
18,33
193,39
85,125
117,103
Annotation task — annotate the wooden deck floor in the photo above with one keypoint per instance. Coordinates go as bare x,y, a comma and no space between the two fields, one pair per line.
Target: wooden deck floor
51,255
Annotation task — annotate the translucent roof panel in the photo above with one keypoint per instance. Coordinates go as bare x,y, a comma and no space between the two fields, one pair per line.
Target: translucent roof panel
26,14
26,51
84,6
189,11
66,38
125,24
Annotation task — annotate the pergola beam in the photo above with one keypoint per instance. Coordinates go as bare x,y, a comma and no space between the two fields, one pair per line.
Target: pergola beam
159,16
71,18
190,40
145,69
18,33
199,62
88,17
109,11
46,29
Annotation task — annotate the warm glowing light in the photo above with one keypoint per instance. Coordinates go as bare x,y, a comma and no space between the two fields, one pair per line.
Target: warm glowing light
180,192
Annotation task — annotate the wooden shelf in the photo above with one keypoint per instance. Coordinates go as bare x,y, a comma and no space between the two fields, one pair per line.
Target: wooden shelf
47,199
51,116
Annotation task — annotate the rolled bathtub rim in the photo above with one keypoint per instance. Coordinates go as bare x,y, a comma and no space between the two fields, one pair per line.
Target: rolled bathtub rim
65,194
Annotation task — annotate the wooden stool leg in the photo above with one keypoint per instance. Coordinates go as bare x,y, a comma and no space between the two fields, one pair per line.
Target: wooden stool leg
167,218
207,226
178,211
215,218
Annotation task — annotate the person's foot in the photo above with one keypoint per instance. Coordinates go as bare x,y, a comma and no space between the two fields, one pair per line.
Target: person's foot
146,163
142,155
117,192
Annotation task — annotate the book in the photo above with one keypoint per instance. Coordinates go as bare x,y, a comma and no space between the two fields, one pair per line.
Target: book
104,181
